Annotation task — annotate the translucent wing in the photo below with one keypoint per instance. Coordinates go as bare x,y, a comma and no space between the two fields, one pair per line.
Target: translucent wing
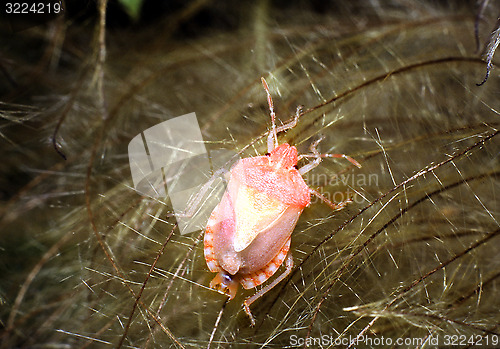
255,212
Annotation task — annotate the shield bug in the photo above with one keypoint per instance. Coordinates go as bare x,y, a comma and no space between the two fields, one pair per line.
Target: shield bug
248,234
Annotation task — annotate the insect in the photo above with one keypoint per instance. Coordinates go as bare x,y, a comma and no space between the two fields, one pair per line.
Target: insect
248,234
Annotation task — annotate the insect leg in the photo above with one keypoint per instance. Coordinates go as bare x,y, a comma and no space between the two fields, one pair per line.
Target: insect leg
263,291
317,158
292,123
315,154
334,206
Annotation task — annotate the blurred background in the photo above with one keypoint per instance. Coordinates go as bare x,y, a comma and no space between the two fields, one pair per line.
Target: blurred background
87,261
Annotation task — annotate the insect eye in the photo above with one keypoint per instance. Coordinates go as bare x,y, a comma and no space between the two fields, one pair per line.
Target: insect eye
296,167
268,154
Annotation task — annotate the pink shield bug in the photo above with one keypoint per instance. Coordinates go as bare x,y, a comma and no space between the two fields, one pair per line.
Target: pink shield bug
248,234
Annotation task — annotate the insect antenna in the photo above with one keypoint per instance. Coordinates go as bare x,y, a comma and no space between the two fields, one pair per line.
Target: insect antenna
271,144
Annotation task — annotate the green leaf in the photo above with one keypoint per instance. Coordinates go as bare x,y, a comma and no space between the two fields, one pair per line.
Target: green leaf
132,7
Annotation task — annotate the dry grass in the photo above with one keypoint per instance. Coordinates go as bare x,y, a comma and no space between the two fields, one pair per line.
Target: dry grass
86,261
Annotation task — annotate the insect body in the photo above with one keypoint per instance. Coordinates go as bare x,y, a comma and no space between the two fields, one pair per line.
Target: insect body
248,234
